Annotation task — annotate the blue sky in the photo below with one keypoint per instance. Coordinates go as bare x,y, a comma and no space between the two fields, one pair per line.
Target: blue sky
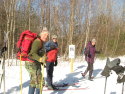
117,5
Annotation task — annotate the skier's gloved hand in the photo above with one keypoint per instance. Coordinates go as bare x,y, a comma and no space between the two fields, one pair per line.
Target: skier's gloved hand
43,59
55,63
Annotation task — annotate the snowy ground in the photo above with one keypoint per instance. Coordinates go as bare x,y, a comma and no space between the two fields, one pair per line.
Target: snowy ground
62,75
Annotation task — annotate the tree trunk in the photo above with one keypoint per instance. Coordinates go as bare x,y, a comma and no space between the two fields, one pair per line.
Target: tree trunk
88,24
29,5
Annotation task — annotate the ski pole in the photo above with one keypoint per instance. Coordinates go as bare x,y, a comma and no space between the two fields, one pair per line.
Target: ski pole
123,88
4,72
20,75
2,77
105,85
1,74
41,88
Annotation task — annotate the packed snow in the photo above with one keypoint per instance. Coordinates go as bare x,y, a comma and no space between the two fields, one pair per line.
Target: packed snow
62,75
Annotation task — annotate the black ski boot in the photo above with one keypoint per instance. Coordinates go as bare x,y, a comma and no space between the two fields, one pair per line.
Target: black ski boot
52,88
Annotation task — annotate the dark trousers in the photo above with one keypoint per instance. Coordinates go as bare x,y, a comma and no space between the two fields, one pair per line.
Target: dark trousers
90,69
49,70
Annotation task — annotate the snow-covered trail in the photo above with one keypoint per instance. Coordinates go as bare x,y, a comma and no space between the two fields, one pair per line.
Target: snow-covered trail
62,75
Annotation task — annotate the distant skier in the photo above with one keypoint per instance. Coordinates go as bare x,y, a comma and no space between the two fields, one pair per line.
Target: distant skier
52,50
89,52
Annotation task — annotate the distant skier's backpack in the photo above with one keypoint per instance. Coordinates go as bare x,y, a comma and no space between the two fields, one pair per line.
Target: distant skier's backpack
24,44
85,51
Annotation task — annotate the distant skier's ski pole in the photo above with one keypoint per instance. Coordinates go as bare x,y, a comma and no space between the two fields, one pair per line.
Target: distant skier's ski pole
20,75
123,88
105,85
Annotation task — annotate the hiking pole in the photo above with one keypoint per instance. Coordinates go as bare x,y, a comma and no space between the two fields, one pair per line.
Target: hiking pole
105,85
20,75
123,88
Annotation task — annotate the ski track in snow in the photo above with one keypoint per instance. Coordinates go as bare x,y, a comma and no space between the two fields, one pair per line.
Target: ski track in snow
62,75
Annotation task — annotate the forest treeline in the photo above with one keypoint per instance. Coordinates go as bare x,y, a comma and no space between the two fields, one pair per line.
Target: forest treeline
74,21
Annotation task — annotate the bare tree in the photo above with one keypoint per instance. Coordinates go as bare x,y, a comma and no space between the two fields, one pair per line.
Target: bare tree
29,8
10,9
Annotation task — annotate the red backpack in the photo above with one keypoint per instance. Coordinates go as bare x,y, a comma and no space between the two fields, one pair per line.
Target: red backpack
52,55
24,44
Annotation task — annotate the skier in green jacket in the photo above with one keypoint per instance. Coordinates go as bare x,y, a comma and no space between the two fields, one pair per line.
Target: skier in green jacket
38,55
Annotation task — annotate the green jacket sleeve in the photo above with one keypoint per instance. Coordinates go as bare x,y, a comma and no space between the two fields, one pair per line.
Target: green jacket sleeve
36,45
